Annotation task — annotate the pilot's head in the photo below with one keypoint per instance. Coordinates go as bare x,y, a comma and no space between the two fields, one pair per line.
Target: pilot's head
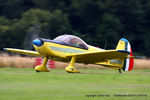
73,40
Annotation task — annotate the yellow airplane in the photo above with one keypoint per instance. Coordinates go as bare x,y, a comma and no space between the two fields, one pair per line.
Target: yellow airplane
70,48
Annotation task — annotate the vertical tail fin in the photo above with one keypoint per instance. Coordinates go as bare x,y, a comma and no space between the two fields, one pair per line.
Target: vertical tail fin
128,63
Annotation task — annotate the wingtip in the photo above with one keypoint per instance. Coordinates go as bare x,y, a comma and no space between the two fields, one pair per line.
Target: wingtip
139,57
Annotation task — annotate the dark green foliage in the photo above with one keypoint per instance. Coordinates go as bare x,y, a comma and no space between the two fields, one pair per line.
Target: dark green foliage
96,21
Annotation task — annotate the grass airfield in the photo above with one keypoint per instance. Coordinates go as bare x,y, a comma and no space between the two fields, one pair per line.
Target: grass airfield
90,84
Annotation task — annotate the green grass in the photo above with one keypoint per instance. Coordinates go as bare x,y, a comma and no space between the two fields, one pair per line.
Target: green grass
26,84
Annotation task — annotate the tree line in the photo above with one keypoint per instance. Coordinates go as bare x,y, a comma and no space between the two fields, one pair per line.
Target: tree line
95,21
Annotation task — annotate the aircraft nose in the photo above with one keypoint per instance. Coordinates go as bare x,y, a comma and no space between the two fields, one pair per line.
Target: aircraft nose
37,42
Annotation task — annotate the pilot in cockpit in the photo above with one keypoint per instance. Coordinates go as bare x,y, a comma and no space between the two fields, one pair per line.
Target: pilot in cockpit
74,42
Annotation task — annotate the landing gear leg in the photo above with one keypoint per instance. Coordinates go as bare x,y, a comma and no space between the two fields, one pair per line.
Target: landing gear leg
42,68
120,71
71,68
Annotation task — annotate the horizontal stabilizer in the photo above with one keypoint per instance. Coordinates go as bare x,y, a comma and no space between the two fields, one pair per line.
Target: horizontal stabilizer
135,57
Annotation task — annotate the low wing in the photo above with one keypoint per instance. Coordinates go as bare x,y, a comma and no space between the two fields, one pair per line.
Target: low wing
25,52
100,56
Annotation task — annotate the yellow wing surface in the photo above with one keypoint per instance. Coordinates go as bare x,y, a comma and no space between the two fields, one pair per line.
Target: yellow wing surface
87,57
100,56
25,52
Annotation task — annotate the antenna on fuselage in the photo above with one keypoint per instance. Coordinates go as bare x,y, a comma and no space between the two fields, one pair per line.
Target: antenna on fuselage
105,44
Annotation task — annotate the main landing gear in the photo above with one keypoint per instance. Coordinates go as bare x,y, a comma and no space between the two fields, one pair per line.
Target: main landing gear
42,68
71,68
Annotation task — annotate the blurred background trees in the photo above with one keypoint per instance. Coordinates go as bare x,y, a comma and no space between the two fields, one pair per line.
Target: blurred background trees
95,21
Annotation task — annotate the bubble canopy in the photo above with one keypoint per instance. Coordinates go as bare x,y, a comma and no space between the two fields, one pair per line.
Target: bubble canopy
72,40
